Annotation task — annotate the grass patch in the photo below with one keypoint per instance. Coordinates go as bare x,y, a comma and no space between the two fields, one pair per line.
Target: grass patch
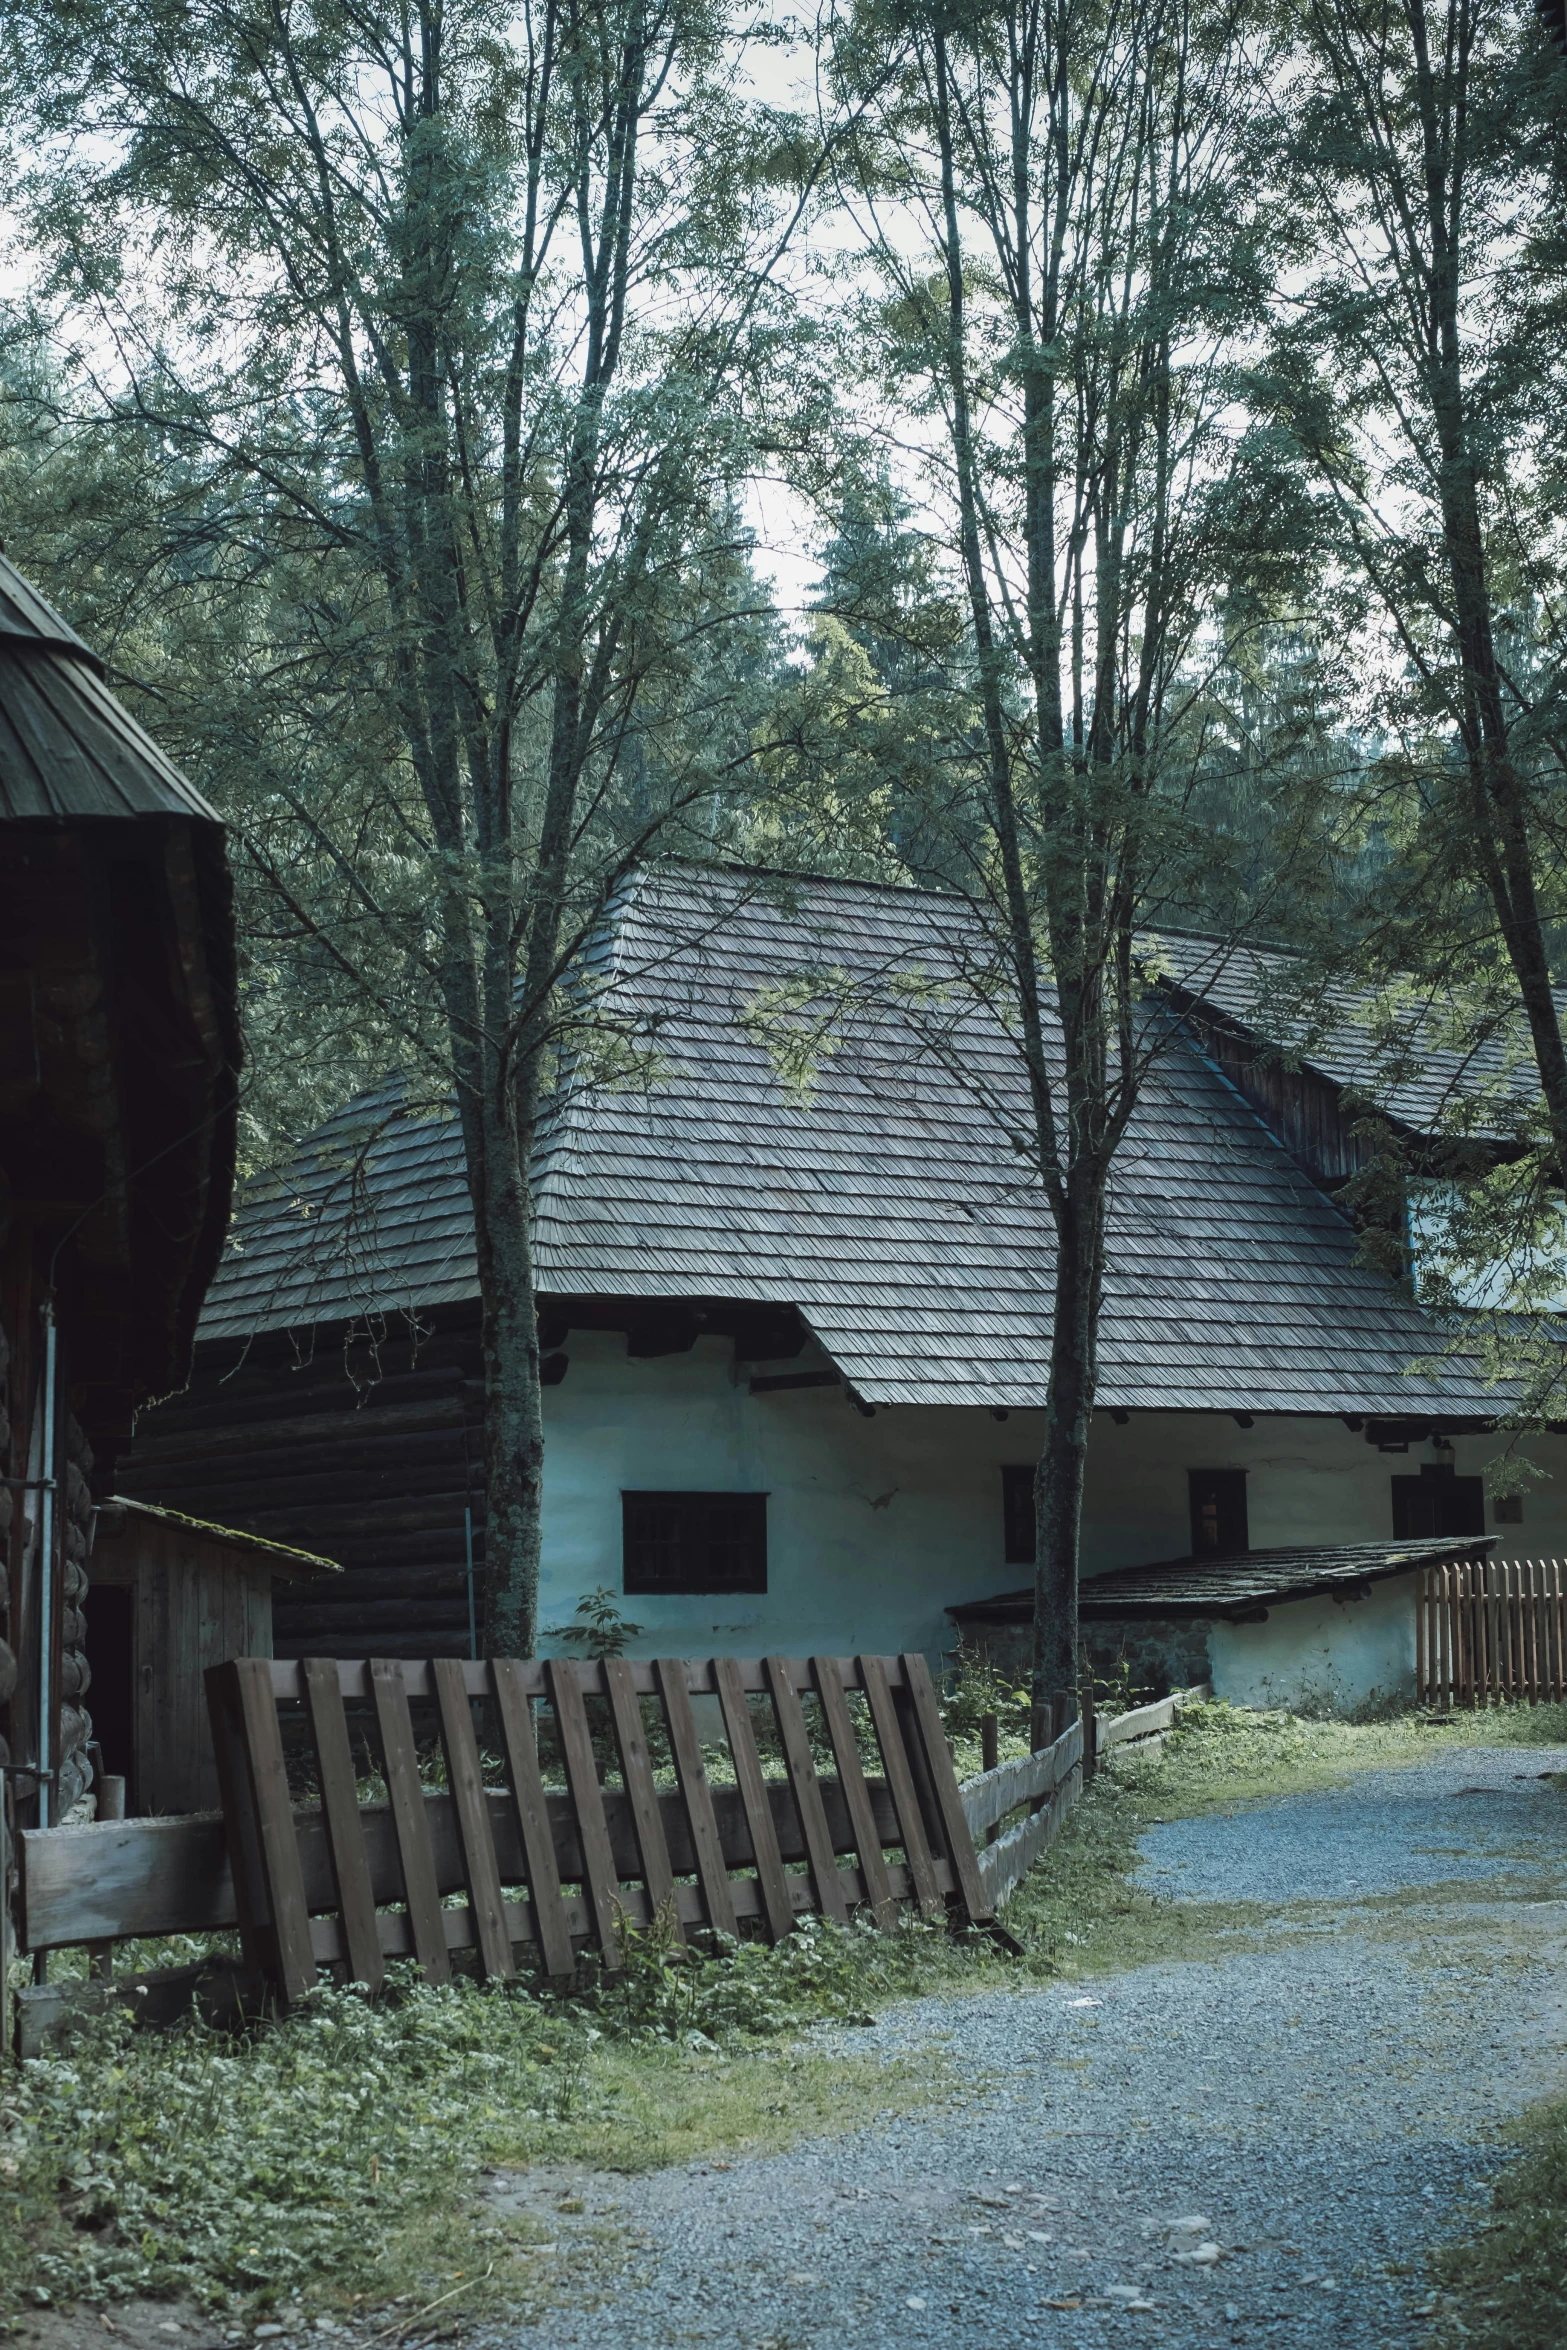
328,2159
333,2159
1505,2287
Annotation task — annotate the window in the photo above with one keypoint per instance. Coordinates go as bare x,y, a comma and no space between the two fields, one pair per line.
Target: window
1017,1512
1218,1502
694,1542
1506,1509
1437,1502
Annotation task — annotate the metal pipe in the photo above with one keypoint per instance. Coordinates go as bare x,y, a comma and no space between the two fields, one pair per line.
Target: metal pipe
46,1542
473,1621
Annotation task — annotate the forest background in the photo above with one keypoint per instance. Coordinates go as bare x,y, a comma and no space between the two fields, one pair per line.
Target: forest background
1105,458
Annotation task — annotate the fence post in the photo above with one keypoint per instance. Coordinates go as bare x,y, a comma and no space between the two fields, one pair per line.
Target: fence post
1090,1731
989,1756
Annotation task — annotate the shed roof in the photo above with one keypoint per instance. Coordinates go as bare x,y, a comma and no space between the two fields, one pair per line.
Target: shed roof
880,1194
1403,1049
119,1514
1237,1586
68,748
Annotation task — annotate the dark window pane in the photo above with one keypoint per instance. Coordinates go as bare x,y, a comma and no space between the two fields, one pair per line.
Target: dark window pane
1218,1504
694,1542
1017,1512
1437,1503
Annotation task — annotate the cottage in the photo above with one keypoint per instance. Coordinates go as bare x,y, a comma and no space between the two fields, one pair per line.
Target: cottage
796,1306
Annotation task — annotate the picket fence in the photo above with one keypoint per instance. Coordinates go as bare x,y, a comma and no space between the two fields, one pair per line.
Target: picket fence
1492,1632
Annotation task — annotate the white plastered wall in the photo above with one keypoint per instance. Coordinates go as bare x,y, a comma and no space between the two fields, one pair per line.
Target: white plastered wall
877,1526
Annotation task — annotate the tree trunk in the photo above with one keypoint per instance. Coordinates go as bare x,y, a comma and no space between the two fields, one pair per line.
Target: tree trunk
1058,1483
513,1403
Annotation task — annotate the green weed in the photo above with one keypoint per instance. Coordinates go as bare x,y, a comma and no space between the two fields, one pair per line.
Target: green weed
332,2156
1505,2286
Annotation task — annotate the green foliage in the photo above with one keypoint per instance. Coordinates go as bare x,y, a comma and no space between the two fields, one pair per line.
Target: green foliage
223,2166
824,1972
598,1629
1505,2287
975,1687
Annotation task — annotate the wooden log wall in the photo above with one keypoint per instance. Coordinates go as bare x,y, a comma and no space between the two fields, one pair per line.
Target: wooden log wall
367,1455
1304,1110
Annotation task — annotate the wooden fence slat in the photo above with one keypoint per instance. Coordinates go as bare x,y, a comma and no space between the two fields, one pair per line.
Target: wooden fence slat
938,1759
600,1883
465,1777
872,1672
851,1778
806,1789
345,1833
406,1797
711,1870
240,1834
1444,1637
274,1815
777,1907
514,1715
636,1770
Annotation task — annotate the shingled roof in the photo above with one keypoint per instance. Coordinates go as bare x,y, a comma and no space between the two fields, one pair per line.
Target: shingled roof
68,748
1402,1049
877,1193
1240,1588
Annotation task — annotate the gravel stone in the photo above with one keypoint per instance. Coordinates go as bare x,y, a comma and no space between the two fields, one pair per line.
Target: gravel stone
1316,2111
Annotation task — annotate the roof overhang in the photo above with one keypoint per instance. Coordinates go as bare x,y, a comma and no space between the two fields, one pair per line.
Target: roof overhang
1239,1589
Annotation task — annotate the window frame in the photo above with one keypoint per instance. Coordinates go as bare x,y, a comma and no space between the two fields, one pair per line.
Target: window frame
694,1510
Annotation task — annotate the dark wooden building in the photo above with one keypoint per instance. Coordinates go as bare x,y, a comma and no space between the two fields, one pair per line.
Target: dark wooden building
119,1053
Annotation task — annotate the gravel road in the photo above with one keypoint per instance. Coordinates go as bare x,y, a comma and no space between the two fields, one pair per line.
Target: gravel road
1252,2149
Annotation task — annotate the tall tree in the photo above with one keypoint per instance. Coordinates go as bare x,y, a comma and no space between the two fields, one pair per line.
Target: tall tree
1064,211
1418,364
438,323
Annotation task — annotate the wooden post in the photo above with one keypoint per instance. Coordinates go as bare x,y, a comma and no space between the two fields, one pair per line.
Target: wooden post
1090,1730
989,1756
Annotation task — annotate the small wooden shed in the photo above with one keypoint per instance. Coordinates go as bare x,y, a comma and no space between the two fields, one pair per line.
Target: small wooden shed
171,1596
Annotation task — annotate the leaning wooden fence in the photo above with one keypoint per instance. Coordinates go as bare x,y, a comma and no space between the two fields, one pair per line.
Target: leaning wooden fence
349,1884
1491,1631
311,1891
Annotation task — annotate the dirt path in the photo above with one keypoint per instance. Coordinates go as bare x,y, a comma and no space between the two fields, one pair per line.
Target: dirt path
1255,2147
